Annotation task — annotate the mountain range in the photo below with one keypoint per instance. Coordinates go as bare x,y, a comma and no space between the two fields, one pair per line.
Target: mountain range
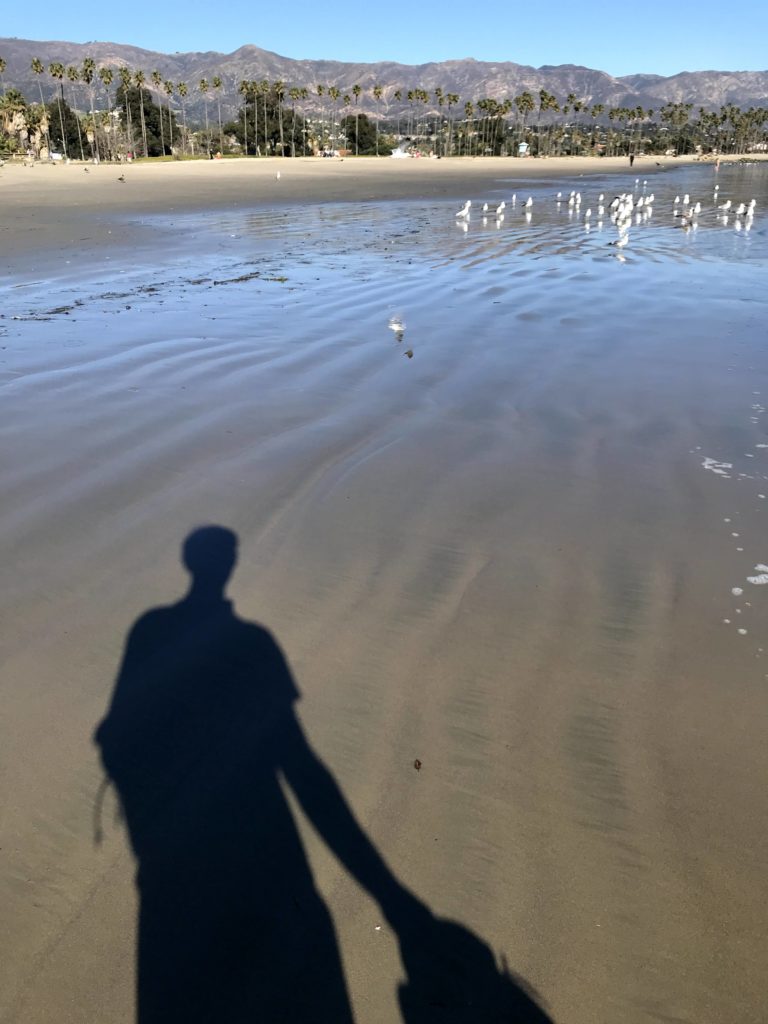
469,79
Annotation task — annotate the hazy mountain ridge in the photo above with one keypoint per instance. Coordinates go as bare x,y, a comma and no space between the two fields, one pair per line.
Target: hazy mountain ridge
469,78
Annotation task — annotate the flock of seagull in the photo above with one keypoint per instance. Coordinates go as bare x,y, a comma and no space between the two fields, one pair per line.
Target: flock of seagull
623,210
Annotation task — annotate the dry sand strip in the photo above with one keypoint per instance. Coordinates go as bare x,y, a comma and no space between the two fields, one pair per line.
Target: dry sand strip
216,183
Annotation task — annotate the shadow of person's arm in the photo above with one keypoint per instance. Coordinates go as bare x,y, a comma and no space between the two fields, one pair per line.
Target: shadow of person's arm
452,975
325,806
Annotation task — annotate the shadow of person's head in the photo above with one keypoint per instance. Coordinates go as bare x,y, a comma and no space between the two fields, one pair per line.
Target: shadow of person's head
209,554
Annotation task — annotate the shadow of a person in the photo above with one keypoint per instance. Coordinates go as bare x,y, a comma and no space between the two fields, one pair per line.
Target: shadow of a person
200,733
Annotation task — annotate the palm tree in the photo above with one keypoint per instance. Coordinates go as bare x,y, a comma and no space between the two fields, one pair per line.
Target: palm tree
73,75
356,90
244,88
452,99
280,93
256,89
216,83
469,114
295,94
595,112
525,104
439,99
169,87
378,92
107,76
346,100
126,81
157,81
334,92
56,71
3,66
397,96
39,69
320,91
87,75
263,88
182,90
140,80
203,86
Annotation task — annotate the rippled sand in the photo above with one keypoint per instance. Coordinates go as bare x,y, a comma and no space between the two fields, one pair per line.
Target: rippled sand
501,541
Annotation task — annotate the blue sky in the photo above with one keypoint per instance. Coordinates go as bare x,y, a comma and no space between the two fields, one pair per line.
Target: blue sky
653,37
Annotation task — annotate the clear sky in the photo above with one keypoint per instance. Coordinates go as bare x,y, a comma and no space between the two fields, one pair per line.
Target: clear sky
654,36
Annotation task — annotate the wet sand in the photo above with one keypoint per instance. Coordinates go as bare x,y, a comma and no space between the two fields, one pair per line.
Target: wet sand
48,205
504,556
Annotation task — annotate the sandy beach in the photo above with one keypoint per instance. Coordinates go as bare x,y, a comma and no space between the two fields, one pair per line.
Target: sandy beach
497,494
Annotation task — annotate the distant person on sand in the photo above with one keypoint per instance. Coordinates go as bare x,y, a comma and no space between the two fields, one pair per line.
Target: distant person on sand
631,159
200,741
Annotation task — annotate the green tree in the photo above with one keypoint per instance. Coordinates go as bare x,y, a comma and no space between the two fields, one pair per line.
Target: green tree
130,100
362,134
65,129
269,122
14,121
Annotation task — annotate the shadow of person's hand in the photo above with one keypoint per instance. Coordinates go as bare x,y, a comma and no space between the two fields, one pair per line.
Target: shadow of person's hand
453,977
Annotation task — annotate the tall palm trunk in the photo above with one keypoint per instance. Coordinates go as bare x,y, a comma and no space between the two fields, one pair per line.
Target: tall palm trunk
157,81
73,75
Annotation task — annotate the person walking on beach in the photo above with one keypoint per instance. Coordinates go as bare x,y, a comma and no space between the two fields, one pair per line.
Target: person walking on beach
200,738
631,159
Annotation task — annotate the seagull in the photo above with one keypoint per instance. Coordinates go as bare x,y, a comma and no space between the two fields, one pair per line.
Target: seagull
725,206
277,176
121,178
463,213
86,170
397,326
501,208
528,202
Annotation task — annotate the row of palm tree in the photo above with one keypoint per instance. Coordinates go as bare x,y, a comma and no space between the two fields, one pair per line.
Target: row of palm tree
488,126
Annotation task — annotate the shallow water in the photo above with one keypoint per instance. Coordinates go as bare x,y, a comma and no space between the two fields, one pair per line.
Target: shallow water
500,493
